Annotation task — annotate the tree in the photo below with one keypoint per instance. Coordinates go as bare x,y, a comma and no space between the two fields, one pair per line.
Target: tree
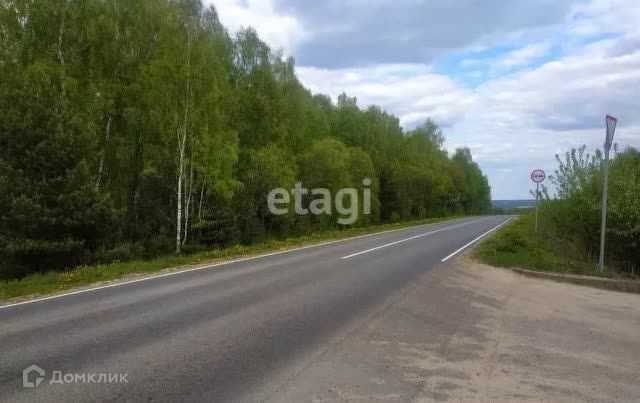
134,129
261,171
573,217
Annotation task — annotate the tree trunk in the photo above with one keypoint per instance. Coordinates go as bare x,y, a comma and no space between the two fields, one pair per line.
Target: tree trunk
182,140
59,51
179,214
200,204
104,151
187,208
179,192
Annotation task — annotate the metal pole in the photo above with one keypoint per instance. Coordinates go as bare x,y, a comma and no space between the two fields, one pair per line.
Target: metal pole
537,196
605,181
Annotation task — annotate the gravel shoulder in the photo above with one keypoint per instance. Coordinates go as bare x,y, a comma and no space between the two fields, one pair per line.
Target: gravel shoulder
468,331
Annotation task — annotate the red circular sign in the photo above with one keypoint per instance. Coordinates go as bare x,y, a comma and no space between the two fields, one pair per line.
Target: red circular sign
538,175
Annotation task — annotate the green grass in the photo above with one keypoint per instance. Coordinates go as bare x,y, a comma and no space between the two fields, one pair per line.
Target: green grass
52,282
516,245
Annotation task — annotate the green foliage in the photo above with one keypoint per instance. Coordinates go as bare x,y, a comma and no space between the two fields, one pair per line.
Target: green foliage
259,172
573,218
516,245
568,238
131,129
623,235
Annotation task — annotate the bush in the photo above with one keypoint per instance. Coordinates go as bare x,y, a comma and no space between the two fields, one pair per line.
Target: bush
512,241
572,219
158,245
120,253
21,257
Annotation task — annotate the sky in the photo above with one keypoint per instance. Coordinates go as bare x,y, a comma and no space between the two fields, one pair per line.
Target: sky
515,81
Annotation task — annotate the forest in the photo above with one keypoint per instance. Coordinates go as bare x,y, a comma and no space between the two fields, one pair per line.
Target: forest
133,129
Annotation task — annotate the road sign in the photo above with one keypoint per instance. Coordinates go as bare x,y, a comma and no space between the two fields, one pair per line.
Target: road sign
538,175
611,128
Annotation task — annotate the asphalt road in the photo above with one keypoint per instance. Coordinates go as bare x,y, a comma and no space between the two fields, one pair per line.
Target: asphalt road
233,332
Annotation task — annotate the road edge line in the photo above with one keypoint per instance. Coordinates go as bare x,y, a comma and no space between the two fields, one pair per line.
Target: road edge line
407,239
475,240
117,283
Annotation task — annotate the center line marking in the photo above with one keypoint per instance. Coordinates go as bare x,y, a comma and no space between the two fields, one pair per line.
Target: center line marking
408,239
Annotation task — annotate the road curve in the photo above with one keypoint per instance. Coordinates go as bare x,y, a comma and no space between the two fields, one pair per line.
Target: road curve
233,332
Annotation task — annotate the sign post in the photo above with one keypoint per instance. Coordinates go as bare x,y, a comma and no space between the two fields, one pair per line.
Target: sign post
611,128
537,176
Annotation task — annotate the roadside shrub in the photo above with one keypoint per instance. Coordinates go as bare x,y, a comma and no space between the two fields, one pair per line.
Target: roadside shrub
512,241
158,245
19,258
572,219
119,253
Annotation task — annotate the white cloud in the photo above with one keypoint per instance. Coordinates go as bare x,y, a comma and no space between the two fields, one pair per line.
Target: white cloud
522,120
524,56
279,30
597,16
413,92
512,123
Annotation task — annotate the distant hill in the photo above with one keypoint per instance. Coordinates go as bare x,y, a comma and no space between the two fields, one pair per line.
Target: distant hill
512,204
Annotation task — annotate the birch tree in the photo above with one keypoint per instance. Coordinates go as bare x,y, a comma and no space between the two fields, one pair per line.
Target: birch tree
132,129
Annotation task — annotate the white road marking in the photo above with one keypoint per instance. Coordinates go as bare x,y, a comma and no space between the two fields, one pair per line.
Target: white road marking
408,239
210,266
475,240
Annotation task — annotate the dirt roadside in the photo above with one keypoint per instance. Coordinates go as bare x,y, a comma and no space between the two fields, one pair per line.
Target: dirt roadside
467,331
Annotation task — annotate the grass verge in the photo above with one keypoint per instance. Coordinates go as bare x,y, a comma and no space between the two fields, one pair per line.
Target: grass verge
516,245
52,282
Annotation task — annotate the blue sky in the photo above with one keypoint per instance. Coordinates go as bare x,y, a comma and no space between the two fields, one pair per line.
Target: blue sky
516,81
